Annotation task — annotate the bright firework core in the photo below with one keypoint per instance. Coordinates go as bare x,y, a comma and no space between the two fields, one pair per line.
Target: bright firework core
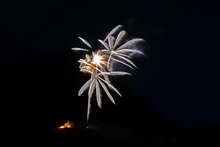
97,59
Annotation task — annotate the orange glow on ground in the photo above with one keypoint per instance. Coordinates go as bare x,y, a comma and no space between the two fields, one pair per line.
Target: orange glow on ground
68,125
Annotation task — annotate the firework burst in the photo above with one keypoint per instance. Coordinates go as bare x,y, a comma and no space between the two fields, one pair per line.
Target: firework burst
98,64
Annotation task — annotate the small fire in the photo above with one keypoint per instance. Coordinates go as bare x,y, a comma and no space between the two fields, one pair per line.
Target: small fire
68,125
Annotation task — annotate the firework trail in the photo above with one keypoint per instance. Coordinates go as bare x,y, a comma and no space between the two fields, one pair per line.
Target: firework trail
115,50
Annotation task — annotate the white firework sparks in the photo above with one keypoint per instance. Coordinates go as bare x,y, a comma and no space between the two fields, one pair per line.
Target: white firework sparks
97,64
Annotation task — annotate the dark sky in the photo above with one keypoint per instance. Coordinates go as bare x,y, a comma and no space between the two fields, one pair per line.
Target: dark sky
178,82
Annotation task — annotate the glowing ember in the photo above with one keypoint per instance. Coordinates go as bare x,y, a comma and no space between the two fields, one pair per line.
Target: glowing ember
68,125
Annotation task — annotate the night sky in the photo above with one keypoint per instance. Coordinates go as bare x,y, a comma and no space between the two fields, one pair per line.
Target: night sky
175,87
